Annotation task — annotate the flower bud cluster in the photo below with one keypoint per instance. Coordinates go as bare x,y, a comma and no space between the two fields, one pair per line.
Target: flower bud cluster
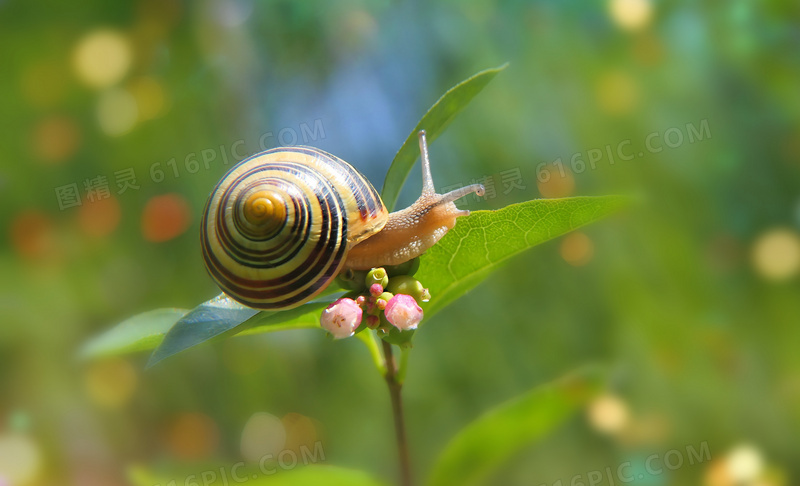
380,304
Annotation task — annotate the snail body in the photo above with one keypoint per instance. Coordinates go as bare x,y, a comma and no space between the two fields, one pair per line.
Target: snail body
280,225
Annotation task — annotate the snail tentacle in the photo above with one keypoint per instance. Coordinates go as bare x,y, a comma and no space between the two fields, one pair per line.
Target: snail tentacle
463,191
427,178
410,232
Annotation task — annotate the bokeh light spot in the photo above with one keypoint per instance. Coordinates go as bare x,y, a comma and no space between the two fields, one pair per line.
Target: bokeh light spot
55,139
560,183
263,434
102,58
301,432
110,383
100,217
631,14
776,254
149,95
193,436
117,111
717,474
744,464
609,414
576,249
165,217
617,93
20,459
33,234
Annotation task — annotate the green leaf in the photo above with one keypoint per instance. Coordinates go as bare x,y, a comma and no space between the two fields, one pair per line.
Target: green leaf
304,317
139,333
175,330
222,317
210,319
482,241
434,122
493,438
223,475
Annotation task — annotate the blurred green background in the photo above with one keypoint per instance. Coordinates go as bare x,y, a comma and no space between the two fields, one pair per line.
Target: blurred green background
118,118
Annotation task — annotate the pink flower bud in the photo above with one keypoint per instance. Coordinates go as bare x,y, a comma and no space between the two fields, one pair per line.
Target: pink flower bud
360,300
341,318
403,312
381,304
375,289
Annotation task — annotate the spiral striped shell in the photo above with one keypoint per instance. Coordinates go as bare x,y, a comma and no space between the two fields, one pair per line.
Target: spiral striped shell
277,228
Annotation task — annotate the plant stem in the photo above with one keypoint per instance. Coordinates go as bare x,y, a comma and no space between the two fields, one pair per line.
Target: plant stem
369,339
395,387
401,369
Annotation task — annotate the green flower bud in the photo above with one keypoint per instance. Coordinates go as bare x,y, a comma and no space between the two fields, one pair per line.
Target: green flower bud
408,268
352,279
383,299
376,276
404,284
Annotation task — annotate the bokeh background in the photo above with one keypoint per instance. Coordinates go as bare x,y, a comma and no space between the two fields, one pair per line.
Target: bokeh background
118,117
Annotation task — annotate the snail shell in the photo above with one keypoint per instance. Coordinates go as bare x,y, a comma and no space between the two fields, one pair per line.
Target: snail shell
281,225
277,227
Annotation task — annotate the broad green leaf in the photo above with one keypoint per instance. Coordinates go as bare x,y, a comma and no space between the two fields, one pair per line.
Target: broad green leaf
217,317
139,333
493,438
434,122
482,241
272,475
210,319
222,317
303,317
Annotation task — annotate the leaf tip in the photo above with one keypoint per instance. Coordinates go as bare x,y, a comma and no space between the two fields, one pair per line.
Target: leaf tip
152,361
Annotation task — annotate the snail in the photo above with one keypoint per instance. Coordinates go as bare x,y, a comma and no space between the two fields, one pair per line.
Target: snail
281,224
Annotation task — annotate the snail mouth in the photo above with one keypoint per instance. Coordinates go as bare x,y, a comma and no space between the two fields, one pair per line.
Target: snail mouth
264,212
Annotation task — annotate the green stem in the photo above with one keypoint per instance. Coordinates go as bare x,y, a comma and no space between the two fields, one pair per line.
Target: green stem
401,372
369,340
395,387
